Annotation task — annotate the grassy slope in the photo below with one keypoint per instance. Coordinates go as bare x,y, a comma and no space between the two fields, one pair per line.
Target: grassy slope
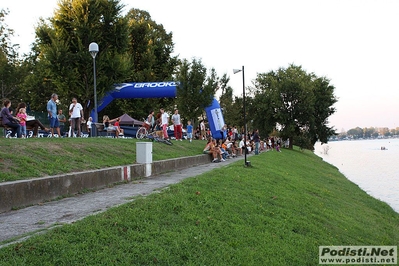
29,158
276,213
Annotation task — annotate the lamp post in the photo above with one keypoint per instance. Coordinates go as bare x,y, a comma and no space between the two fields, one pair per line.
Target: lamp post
235,71
93,49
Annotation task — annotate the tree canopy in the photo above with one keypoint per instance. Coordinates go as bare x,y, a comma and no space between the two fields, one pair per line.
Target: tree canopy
11,70
197,88
295,103
63,42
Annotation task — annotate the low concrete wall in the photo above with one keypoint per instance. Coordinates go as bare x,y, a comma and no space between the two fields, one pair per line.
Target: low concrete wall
23,193
179,163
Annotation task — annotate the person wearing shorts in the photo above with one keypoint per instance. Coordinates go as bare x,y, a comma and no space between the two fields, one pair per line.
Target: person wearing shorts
52,115
189,131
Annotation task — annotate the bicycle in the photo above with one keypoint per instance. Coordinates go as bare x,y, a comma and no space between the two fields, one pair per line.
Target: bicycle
144,132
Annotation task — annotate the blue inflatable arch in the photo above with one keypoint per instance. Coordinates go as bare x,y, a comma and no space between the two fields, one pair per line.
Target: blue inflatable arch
166,89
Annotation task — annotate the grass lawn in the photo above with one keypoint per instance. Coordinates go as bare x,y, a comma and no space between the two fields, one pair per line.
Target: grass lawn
277,212
30,158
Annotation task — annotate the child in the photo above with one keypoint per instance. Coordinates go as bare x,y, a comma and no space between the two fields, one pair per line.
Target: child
89,124
116,124
189,131
22,121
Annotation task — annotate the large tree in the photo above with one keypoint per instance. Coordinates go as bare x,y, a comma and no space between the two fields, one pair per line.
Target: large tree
151,48
197,88
295,103
63,43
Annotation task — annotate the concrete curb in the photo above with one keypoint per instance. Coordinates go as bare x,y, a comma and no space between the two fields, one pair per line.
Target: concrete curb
19,194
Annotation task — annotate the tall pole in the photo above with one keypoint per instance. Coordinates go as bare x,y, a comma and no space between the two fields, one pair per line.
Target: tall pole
95,91
245,116
93,49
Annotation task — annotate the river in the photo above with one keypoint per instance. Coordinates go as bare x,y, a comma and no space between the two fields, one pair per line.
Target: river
363,162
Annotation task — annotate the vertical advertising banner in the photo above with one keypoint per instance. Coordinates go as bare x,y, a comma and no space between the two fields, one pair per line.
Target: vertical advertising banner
215,119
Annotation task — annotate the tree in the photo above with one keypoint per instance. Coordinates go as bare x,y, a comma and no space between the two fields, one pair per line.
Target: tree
324,100
11,73
294,102
356,133
231,113
196,89
151,48
63,43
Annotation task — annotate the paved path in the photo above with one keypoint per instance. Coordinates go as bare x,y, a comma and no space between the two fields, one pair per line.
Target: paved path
19,224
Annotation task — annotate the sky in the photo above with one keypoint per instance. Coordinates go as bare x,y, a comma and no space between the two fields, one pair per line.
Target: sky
354,43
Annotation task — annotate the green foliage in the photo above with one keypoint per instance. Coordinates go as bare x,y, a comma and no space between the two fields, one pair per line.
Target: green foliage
196,89
63,43
295,103
273,213
232,106
356,132
10,64
151,48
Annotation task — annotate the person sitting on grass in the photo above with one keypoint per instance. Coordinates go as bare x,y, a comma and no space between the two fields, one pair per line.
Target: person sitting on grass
210,148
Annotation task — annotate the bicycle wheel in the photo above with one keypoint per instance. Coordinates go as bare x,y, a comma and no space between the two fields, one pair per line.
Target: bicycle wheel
141,133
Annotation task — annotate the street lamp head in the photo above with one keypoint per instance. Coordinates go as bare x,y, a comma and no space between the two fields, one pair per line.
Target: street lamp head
93,49
235,71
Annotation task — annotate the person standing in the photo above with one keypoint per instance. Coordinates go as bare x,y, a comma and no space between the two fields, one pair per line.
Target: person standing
189,131
177,125
202,129
32,123
52,114
61,119
165,123
256,139
22,121
89,125
76,113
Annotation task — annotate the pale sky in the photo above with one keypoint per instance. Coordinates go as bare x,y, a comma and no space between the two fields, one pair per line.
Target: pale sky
354,43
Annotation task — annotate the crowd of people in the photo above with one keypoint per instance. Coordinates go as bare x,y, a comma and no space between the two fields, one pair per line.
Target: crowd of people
233,142
19,121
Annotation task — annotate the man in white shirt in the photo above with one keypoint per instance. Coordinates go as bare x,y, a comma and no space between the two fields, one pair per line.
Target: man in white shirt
75,113
165,123
177,125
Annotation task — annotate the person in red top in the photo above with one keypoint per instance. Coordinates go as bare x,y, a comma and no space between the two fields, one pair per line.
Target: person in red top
116,124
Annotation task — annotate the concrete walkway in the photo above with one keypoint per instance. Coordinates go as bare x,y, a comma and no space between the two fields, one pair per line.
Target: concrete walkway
20,224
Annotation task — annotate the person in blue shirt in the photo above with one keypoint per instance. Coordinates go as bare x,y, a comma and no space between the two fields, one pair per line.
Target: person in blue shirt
52,115
189,131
